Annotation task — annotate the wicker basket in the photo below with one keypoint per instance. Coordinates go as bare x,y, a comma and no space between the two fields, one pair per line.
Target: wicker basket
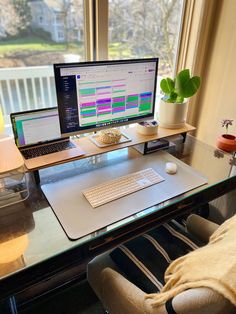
110,136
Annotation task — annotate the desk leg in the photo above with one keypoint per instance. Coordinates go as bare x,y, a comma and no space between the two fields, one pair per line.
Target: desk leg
184,136
36,176
9,306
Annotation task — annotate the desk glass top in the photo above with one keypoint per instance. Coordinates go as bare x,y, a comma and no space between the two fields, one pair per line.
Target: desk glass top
30,232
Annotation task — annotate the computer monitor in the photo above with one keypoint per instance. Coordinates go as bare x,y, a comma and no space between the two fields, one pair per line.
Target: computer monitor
101,94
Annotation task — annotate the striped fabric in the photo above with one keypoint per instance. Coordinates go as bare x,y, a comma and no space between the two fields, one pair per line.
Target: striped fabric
144,259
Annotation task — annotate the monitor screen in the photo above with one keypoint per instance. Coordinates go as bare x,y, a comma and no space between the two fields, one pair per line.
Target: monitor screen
96,95
35,126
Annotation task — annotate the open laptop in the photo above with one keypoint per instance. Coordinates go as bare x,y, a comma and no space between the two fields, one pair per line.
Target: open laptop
37,136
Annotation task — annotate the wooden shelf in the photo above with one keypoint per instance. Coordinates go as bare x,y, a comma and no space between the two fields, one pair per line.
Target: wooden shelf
10,157
91,149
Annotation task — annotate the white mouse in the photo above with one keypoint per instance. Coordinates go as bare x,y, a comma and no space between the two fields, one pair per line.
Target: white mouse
171,168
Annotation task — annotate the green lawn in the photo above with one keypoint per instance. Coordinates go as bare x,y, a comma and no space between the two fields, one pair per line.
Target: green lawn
119,51
116,50
36,44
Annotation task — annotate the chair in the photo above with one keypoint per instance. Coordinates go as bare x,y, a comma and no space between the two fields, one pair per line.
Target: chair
119,295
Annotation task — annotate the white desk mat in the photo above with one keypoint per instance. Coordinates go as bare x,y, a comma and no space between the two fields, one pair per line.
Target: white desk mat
78,218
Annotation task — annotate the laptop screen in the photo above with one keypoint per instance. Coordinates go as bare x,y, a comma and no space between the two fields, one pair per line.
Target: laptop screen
35,127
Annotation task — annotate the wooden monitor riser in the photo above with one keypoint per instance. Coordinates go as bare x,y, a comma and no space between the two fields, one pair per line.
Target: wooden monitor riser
91,149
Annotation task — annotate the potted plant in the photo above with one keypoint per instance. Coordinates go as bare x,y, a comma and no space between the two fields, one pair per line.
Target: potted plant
226,142
173,105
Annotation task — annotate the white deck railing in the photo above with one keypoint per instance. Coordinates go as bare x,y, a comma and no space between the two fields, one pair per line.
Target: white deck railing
26,88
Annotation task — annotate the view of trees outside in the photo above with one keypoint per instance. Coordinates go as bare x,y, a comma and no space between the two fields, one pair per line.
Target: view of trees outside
36,33
41,32
147,28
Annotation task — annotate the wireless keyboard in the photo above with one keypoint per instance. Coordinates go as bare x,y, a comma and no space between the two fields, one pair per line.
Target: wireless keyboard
47,149
114,189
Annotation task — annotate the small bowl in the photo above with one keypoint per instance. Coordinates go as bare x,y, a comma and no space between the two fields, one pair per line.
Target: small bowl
147,127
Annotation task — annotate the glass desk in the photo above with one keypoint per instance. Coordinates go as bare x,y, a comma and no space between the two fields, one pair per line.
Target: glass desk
39,248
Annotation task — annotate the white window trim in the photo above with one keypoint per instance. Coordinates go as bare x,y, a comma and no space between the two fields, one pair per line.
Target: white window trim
96,29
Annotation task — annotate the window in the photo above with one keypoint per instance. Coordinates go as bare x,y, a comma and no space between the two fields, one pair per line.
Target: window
36,34
60,35
148,28
59,19
33,36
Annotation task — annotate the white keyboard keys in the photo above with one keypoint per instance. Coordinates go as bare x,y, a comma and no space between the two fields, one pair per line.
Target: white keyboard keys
125,185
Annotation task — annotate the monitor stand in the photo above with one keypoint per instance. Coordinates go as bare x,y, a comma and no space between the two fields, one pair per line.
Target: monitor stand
95,138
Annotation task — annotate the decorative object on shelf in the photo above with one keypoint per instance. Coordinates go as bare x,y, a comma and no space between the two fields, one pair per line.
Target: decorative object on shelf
147,127
110,136
173,105
226,142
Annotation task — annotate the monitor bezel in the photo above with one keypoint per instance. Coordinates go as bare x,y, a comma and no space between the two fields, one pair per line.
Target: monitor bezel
90,129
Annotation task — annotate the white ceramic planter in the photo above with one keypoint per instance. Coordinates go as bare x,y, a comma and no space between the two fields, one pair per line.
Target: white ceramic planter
172,115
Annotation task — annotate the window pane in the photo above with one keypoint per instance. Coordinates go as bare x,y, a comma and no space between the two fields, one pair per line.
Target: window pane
147,28
33,36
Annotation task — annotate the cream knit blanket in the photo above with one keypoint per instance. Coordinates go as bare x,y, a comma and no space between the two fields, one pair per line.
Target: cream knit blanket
212,266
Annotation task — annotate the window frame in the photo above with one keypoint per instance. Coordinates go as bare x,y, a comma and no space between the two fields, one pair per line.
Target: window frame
96,29
197,26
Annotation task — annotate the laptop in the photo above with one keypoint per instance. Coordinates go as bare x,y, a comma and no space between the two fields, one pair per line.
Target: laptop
38,138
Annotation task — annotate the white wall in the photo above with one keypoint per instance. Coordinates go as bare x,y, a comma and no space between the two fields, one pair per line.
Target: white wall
218,91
